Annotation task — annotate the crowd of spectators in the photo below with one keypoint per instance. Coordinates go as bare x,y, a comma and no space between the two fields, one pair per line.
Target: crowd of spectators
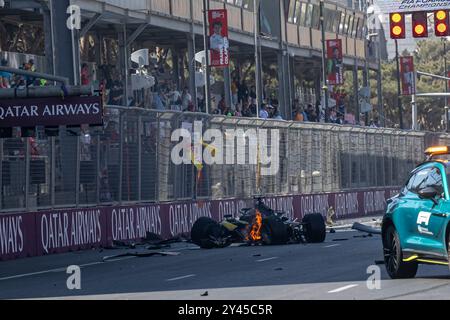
9,80
166,95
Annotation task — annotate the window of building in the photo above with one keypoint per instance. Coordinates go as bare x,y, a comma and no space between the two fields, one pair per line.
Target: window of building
291,13
342,23
309,15
349,25
294,11
298,6
247,4
337,21
303,11
315,21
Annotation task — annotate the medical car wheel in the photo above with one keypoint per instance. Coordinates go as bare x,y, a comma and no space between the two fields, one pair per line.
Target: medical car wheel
393,257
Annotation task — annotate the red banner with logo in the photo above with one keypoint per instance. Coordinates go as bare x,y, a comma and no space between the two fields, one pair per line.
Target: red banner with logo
408,77
218,38
335,65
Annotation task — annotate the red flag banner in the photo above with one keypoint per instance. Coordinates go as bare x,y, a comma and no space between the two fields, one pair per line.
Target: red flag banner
408,78
218,40
335,65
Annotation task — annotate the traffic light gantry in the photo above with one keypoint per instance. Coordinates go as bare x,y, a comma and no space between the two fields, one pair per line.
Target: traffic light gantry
419,24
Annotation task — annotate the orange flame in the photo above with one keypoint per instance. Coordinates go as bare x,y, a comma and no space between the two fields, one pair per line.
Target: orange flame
255,232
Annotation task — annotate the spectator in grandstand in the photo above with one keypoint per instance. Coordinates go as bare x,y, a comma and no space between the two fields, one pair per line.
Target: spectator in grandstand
234,91
31,65
311,113
175,99
263,113
116,94
246,112
374,123
340,119
186,99
222,104
85,76
5,77
252,93
252,105
243,92
158,101
238,112
277,115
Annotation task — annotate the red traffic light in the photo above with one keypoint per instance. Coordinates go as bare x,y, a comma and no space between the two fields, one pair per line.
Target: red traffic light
420,24
397,25
442,23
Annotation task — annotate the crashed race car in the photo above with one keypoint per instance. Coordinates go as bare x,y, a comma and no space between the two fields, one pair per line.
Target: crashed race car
260,226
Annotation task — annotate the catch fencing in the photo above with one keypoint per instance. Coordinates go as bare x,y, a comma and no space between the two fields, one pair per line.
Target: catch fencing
128,161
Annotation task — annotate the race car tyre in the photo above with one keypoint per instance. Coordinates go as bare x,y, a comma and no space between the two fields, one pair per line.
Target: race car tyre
274,232
206,231
315,229
393,257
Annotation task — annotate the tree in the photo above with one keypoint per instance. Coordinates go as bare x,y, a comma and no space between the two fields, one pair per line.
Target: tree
21,38
429,57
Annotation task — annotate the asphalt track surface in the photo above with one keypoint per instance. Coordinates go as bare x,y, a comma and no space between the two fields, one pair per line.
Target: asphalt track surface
336,269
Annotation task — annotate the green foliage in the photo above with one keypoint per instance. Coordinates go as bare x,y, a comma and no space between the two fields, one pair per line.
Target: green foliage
429,57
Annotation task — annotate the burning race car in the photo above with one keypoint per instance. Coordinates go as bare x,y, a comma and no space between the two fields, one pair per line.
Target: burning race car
258,225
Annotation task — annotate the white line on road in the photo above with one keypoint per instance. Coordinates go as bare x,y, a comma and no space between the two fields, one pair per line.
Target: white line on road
46,271
268,259
343,288
181,278
333,245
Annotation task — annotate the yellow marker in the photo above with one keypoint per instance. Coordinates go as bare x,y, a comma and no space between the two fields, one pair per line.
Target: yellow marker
410,259
433,262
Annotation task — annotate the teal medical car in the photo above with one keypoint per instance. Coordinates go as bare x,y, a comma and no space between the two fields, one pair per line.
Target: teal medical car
416,227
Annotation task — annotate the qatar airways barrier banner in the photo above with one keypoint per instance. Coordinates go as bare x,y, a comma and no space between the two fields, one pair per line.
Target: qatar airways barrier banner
51,111
49,232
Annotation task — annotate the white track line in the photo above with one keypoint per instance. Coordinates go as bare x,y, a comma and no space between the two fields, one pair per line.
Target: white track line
350,286
47,271
332,246
81,266
268,259
181,278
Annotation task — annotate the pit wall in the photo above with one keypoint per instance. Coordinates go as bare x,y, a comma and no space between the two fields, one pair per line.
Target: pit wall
58,231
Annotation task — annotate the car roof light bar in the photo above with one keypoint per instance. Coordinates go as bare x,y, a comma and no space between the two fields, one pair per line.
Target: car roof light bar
436,151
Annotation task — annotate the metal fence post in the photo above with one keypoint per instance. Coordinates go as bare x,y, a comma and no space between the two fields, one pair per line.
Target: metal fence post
1,174
121,134
140,157
77,178
27,172
158,171
52,171
99,170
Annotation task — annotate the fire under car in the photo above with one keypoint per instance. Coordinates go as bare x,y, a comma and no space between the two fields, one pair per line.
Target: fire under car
259,225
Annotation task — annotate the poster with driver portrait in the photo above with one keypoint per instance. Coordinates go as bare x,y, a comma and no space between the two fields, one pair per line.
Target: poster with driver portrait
218,38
